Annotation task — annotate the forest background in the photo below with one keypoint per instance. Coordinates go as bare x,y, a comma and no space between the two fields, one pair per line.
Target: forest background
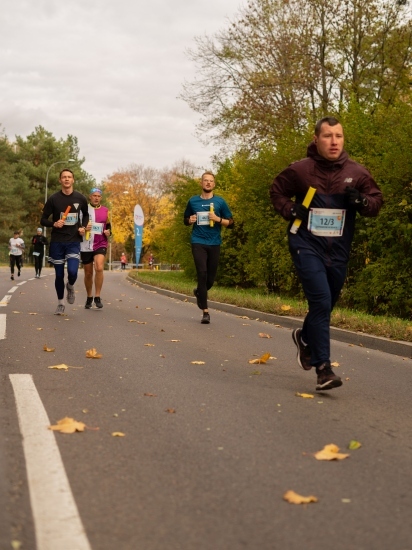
262,83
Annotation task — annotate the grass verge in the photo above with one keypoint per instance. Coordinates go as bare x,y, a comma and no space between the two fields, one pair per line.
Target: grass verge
388,327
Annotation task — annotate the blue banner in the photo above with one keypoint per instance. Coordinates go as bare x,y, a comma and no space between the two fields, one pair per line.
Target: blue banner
138,231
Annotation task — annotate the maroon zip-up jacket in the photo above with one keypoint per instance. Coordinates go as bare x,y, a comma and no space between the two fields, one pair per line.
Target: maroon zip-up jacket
330,178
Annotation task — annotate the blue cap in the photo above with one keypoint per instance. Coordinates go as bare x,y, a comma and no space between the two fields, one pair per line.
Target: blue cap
95,190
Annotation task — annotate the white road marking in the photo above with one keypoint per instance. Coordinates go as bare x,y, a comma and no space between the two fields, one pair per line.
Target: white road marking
22,283
13,288
5,300
3,317
56,518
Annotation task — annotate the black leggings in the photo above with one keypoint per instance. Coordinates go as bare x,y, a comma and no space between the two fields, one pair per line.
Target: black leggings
15,260
206,259
38,263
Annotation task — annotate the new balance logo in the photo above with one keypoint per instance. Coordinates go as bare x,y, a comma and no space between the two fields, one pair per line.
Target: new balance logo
348,180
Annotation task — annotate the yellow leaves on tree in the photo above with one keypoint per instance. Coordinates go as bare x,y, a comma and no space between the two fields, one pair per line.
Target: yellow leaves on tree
294,498
68,426
261,361
330,452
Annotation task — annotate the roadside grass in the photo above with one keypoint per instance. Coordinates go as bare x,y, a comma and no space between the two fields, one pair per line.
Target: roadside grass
257,299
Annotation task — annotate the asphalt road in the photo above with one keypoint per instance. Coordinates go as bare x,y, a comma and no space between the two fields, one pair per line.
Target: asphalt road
208,455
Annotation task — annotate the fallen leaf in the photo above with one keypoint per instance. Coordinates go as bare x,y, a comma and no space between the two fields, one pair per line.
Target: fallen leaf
132,321
150,394
172,340
347,379
294,498
92,354
305,395
118,434
335,364
16,311
243,316
137,307
197,362
33,313
59,367
261,361
141,322
330,452
149,308
263,335
47,348
150,345
256,372
68,426
171,411
285,308
353,445
246,324
39,329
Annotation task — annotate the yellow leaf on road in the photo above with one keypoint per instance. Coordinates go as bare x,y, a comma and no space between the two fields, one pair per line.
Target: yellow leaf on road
261,361
294,498
92,354
197,362
33,313
171,411
118,434
150,394
59,367
335,364
68,426
172,340
353,445
150,345
263,335
305,395
330,452
46,348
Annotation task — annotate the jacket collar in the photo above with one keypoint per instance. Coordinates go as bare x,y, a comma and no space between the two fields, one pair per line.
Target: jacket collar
312,152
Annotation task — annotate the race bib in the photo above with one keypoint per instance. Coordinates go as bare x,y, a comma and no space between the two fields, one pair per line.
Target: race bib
202,218
36,253
326,222
71,218
97,228
15,251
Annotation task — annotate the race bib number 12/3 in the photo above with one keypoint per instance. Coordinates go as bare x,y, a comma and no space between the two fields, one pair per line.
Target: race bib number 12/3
326,222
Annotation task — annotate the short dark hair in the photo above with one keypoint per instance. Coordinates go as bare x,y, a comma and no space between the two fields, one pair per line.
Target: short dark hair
65,170
16,232
208,174
331,120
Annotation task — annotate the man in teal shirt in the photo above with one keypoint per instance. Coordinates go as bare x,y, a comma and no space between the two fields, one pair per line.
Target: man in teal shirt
208,213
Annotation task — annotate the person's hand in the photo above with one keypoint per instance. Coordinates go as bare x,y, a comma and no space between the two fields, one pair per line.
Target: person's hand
107,232
354,197
82,230
193,218
59,223
300,212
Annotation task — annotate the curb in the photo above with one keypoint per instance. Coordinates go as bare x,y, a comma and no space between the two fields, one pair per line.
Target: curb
395,347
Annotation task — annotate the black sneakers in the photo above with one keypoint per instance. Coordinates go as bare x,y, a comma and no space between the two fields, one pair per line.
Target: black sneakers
98,302
89,303
18,274
327,379
197,298
303,355
12,277
206,318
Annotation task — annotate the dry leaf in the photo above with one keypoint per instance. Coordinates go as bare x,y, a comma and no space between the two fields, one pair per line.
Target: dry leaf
294,498
47,348
263,335
149,308
92,354
150,345
150,394
15,311
33,313
305,395
261,361
39,329
132,321
68,426
118,434
285,308
335,364
141,322
256,372
330,452
197,362
59,367
243,316
353,445
172,340
171,411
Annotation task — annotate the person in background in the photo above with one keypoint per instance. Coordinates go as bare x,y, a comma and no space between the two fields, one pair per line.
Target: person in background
320,248
39,241
68,228
94,247
16,247
208,213
123,261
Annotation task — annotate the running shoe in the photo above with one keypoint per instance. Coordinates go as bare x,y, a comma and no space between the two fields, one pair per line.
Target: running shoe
205,319
12,277
195,292
303,355
18,274
98,302
70,296
89,303
59,310
327,379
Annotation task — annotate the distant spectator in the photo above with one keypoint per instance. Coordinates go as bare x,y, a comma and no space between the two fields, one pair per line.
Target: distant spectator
123,261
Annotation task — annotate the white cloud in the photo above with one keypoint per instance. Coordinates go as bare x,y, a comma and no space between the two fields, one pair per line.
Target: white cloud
107,72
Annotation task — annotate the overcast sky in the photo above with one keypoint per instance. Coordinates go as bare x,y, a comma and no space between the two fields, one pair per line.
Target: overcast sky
108,72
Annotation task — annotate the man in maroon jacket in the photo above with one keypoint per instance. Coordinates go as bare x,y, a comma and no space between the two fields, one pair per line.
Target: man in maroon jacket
320,248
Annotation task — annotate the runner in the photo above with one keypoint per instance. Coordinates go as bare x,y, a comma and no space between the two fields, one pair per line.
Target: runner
65,207
208,213
93,250
38,242
16,247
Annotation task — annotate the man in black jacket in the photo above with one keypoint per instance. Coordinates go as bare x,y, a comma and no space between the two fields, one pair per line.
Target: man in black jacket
320,247
39,241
